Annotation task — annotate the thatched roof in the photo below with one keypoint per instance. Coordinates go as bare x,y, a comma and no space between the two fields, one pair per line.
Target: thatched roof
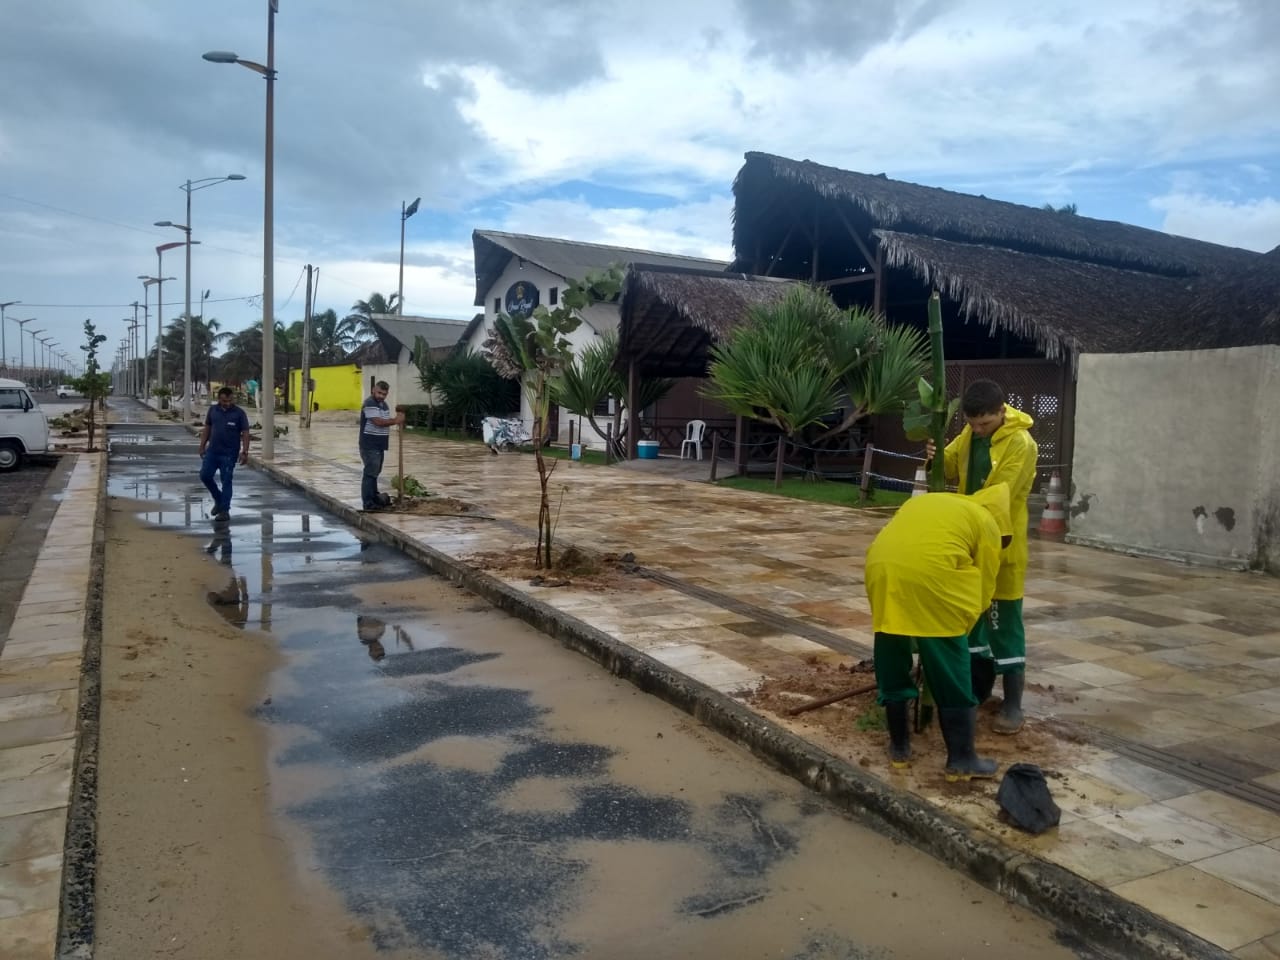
670,316
1065,306
767,184
568,259
1241,310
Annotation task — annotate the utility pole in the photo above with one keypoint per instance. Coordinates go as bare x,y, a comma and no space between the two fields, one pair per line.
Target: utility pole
304,411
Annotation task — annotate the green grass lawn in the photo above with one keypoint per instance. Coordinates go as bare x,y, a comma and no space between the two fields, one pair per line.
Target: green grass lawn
819,491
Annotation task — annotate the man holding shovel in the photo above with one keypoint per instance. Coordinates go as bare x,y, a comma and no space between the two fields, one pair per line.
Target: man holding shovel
930,574
376,421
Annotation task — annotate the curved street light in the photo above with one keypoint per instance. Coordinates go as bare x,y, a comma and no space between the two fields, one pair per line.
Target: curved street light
189,187
22,359
268,72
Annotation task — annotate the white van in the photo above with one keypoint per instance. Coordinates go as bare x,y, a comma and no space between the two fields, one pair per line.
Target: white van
23,427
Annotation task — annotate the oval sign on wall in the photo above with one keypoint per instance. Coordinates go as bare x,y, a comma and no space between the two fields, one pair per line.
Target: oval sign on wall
521,298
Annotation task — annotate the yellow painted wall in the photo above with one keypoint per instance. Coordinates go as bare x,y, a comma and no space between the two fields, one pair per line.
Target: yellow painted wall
339,387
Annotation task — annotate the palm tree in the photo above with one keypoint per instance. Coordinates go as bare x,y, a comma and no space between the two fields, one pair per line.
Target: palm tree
591,379
357,327
326,342
793,363
242,358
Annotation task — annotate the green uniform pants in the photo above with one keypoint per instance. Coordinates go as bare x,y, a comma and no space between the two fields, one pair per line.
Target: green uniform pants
946,664
999,635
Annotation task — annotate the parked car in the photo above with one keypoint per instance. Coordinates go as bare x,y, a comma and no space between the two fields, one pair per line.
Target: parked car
23,427
66,390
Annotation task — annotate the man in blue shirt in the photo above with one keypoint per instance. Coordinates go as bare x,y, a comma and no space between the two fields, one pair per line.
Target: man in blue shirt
223,442
376,421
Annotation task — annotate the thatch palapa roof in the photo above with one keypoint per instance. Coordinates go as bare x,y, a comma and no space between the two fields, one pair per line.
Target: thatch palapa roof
670,316
1065,306
765,182
1242,310
567,259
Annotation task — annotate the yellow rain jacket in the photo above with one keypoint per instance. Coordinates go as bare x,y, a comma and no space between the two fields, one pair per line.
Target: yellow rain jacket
931,571
1013,462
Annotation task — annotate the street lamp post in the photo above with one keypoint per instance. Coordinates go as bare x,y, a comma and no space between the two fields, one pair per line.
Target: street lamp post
268,71
48,362
189,186
4,353
22,362
146,327
160,279
405,213
33,345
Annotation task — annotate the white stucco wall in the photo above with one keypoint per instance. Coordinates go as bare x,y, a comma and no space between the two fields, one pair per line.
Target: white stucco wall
1178,455
402,378
599,319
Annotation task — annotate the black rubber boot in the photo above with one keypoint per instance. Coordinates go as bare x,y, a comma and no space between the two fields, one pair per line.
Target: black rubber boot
897,714
958,728
983,672
1009,720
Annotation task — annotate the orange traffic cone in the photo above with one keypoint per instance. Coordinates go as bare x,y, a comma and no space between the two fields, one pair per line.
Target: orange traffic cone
1053,522
921,483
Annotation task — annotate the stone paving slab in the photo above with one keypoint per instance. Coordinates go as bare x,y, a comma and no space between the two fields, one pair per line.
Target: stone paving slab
40,666
1153,687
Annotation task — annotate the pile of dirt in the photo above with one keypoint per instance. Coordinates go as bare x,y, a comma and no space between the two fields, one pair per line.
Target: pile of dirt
433,507
570,567
854,728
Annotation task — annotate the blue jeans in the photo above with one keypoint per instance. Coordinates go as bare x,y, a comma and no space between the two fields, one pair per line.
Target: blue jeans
224,464
372,460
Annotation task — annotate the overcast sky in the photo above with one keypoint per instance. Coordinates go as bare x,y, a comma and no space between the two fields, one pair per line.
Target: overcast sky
604,120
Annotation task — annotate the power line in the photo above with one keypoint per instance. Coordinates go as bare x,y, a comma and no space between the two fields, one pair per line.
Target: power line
104,306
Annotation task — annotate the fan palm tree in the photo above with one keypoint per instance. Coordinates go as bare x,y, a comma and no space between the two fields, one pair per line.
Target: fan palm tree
793,363
591,380
357,326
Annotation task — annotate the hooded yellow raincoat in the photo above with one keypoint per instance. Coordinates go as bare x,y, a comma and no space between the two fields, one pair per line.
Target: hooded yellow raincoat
931,571
1013,462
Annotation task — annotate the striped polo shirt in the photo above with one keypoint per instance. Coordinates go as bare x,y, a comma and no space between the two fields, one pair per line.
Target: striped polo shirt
372,436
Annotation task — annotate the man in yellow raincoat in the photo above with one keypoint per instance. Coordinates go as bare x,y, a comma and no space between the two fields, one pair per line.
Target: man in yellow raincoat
995,446
930,574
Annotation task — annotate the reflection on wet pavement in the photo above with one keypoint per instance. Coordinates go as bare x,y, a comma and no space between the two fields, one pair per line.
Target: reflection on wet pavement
472,790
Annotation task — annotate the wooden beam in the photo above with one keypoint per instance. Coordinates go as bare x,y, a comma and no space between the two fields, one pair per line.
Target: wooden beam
813,276
860,278
739,448
633,415
778,255
871,260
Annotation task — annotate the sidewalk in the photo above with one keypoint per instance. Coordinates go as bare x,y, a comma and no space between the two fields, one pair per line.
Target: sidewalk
41,717
1153,690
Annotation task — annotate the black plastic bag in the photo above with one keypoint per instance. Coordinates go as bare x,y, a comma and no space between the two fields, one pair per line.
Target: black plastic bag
1024,797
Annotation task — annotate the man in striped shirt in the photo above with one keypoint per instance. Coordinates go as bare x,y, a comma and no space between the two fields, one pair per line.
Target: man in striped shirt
376,421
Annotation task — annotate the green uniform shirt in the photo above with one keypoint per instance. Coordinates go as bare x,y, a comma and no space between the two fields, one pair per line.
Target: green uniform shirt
979,464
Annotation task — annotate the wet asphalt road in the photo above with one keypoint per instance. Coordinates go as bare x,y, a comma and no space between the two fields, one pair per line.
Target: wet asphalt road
472,790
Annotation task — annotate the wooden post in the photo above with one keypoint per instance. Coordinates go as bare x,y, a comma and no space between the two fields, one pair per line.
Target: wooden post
571,437
633,415
777,467
608,443
866,472
739,448
400,445
715,452
880,293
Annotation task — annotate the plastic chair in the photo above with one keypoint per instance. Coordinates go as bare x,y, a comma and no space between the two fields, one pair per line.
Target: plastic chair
693,437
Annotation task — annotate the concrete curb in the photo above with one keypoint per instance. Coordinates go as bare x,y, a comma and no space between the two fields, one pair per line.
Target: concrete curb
76,913
1088,914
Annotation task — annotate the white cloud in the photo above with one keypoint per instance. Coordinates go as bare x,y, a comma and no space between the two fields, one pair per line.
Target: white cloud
1084,101
1252,224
